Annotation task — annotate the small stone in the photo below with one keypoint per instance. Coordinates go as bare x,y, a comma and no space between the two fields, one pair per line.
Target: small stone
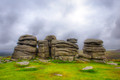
24,63
113,64
14,60
117,67
88,68
6,61
59,75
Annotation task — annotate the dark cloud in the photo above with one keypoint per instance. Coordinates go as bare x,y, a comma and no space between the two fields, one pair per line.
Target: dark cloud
102,3
116,30
37,27
6,27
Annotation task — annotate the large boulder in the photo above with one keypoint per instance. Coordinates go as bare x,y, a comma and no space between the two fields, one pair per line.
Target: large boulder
93,41
26,48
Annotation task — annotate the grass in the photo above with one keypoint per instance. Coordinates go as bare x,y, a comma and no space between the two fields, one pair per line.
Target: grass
69,71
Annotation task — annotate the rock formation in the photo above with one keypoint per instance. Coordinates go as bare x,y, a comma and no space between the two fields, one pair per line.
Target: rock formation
57,49
26,48
93,50
44,47
64,50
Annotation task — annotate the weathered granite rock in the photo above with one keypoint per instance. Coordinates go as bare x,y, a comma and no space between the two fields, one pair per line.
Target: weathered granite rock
88,68
72,40
93,41
43,49
0,61
112,63
57,49
64,50
24,63
95,49
50,37
26,48
99,61
27,37
82,57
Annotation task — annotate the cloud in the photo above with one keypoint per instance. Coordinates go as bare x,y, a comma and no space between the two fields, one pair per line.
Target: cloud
79,19
116,30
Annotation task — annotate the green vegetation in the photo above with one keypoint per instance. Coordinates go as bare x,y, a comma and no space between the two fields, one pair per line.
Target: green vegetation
58,71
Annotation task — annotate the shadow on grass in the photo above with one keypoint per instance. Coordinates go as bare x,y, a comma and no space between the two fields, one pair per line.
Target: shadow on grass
61,61
89,71
20,66
28,69
56,74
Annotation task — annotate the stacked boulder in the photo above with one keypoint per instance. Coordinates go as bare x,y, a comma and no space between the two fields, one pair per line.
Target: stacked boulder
26,48
64,50
44,47
94,50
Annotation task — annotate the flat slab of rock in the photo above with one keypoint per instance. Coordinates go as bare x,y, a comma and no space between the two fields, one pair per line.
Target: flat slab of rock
96,41
58,75
43,60
72,40
50,37
117,67
112,64
27,37
24,63
88,68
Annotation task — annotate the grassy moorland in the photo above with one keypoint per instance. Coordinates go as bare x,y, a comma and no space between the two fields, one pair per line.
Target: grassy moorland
66,71
113,55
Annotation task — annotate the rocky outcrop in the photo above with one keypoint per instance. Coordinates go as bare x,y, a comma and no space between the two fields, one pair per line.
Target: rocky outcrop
26,48
57,49
93,50
50,47
64,50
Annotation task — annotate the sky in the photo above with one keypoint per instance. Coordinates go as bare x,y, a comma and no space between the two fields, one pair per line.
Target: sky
80,19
